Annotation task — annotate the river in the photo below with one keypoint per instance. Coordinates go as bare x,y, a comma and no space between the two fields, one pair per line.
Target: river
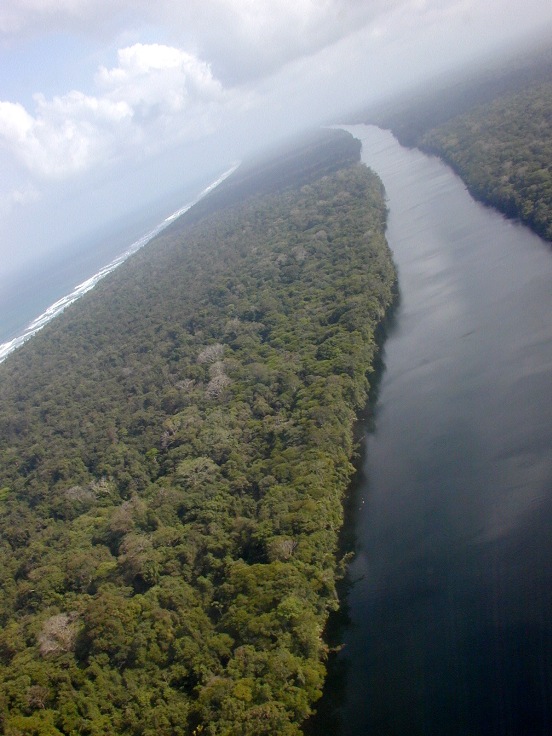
450,601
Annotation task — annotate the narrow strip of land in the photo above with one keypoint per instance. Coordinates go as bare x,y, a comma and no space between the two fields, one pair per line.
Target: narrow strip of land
174,453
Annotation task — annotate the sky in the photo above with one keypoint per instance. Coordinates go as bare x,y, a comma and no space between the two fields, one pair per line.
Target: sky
108,105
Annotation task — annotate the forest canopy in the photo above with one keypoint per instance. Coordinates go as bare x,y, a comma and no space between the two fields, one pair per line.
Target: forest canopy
495,131
175,450
503,151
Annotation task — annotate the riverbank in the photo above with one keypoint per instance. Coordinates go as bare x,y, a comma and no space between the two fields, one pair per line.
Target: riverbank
175,452
502,152
450,606
494,131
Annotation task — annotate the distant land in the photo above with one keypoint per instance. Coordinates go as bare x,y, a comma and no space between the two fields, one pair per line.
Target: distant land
75,292
493,126
174,453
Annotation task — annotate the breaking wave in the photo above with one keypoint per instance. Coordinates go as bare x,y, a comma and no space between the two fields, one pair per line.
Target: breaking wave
58,307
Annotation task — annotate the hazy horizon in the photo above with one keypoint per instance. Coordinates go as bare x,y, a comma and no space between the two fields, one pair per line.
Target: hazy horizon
106,111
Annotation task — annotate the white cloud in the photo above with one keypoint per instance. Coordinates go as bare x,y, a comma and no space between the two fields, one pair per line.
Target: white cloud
15,122
17,197
157,95
18,16
243,39
66,135
240,54
162,77
246,40
25,194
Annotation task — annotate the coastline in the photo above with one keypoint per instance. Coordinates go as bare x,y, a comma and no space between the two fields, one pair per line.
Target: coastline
61,304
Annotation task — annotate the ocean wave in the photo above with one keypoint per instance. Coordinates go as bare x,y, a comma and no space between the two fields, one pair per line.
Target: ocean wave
58,307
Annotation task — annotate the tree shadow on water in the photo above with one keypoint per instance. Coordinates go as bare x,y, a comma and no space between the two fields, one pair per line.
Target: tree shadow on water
328,719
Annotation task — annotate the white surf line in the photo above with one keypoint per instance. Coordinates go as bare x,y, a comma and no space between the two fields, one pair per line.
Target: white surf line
58,307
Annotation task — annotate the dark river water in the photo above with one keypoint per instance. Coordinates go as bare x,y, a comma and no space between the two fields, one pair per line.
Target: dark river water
449,607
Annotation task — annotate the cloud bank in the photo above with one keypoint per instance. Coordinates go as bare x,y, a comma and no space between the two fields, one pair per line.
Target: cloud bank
164,77
222,57
155,94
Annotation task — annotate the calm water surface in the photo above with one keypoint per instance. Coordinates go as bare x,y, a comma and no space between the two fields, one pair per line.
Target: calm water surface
450,629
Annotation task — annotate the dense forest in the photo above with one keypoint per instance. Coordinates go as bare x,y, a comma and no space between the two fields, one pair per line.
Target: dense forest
495,131
503,151
175,449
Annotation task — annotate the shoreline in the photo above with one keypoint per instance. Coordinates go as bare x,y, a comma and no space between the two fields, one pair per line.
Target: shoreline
59,306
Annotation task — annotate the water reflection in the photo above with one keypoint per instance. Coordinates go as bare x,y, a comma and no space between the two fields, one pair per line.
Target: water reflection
449,627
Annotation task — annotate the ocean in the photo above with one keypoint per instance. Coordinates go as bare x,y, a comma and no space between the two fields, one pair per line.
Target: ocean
46,289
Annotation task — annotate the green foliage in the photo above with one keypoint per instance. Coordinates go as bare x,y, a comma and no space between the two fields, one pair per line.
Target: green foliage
494,130
174,454
503,150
